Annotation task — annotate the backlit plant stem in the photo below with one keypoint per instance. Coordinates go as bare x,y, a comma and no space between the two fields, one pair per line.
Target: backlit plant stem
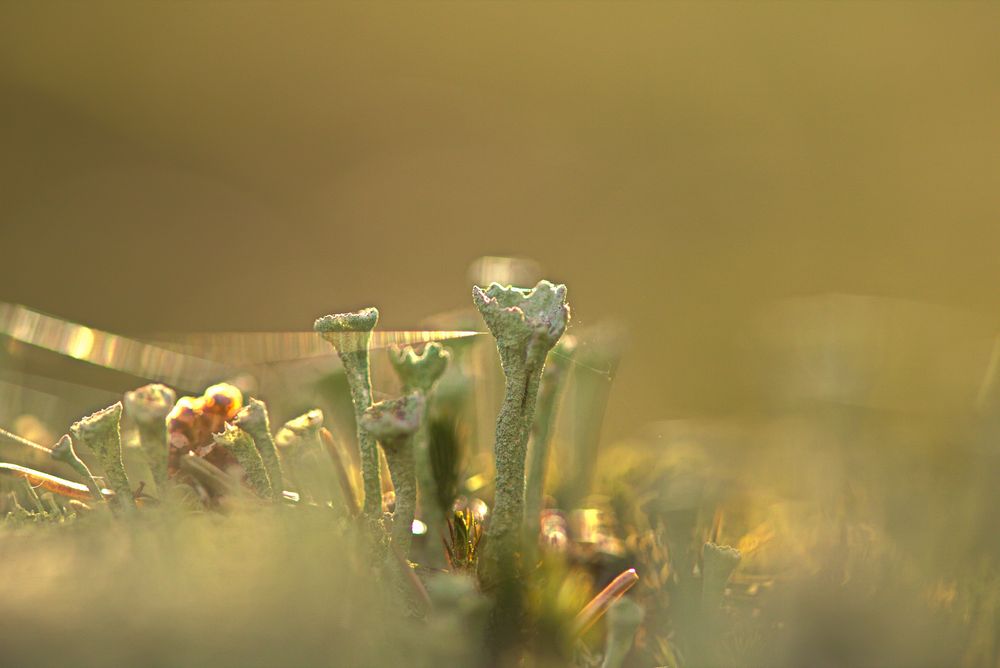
31,496
214,480
343,470
598,605
20,440
553,381
101,433
394,423
51,483
63,452
598,363
350,335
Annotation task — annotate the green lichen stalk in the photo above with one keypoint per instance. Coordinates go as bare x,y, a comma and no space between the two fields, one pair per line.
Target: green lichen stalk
101,433
419,373
65,453
254,420
299,442
393,423
350,335
148,407
553,381
526,325
239,442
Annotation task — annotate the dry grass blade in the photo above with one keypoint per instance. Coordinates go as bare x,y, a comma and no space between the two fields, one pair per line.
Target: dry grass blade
598,605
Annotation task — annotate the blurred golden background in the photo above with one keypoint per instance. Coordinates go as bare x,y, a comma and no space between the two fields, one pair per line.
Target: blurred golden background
681,166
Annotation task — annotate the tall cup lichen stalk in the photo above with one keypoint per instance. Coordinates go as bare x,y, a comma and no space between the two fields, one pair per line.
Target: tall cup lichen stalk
350,335
148,406
526,325
393,423
253,419
419,373
101,433
553,380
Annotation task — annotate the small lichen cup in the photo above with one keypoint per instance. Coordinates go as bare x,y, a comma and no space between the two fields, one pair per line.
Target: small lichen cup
393,423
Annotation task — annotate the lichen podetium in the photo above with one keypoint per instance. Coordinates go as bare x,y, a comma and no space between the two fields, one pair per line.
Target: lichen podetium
350,335
148,406
419,372
66,453
241,445
300,446
717,565
101,432
254,420
393,423
526,325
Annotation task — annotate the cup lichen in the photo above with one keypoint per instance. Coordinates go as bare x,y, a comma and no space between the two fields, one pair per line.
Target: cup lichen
241,445
148,406
419,372
350,335
526,325
63,451
101,433
254,420
393,423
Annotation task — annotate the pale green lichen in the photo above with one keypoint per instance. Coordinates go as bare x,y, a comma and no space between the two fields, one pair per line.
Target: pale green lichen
254,420
101,433
526,325
419,372
301,448
393,423
304,428
65,452
239,442
148,406
350,335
